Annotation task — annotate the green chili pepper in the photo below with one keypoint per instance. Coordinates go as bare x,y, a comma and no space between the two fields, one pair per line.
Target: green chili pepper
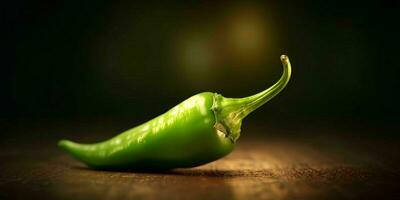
199,130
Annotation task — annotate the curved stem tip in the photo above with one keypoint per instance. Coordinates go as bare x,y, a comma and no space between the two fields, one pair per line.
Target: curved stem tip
231,111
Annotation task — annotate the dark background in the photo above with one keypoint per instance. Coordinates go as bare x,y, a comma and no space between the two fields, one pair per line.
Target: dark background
126,61
88,70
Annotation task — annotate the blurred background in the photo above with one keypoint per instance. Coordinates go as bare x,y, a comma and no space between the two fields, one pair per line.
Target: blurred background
88,70
128,62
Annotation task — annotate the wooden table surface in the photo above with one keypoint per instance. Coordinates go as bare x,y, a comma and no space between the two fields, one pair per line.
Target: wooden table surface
277,165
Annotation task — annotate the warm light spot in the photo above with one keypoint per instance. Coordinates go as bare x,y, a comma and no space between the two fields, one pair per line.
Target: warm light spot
239,36
247,35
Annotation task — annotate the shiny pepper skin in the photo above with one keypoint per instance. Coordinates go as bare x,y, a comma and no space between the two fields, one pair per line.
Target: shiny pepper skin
197,131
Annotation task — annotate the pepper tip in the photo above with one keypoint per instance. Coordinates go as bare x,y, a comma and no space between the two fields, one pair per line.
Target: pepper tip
63,143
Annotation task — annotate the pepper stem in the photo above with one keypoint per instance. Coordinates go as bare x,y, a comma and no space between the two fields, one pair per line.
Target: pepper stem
229,112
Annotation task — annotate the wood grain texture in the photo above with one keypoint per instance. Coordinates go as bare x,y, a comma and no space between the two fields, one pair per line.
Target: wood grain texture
268,167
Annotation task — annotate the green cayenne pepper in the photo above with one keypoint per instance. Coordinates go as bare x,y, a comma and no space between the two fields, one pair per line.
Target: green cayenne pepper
199,130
